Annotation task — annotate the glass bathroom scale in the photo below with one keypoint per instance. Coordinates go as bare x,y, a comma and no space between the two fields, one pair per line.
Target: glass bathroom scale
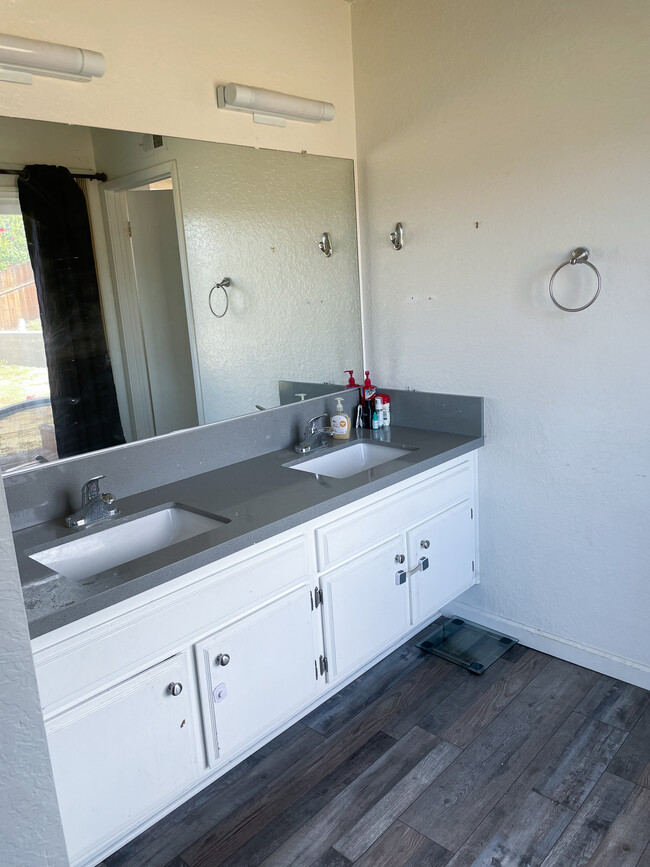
466,643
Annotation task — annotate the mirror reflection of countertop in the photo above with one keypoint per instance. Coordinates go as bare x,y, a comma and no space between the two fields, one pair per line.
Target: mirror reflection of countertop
258,498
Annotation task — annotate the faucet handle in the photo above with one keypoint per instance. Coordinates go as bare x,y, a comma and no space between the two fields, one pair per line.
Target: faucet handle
311,427
91,489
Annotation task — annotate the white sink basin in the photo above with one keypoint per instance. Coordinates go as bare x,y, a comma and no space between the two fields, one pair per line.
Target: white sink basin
113,546
345,462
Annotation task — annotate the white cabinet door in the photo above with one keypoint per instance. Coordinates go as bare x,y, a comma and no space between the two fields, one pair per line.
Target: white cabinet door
365,606
448,542
259,672
122,754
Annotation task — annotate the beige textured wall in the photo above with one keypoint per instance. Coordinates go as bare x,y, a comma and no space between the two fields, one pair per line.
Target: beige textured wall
164,60
530,118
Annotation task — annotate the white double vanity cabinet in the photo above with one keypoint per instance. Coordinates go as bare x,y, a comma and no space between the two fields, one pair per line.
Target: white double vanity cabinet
150,699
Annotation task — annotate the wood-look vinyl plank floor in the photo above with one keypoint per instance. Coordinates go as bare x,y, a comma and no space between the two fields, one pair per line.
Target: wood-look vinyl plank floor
536,763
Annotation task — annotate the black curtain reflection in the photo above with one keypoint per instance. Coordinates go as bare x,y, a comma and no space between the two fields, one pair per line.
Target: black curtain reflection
84,403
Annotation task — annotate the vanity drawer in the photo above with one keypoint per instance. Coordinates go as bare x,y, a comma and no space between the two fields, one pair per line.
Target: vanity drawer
363,529
103,654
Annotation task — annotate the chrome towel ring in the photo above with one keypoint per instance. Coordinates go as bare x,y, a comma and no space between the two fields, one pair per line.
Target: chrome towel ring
579,256
222,284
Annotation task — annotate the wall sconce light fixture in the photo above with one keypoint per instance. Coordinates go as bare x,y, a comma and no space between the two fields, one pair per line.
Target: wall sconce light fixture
21,58
271,107
325,244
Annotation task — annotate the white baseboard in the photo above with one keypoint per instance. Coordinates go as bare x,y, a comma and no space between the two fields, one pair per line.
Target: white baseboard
618,667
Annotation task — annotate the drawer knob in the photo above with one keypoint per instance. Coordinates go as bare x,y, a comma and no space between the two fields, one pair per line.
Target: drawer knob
222,659
399,558
175,688
425,544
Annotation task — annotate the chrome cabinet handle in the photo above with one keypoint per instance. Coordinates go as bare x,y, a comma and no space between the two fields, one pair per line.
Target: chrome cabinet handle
425,544
400,558
175,688
222,658
401,575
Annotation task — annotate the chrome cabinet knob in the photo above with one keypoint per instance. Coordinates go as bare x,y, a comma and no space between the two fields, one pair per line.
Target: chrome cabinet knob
222,659
399,558
175,688
425,544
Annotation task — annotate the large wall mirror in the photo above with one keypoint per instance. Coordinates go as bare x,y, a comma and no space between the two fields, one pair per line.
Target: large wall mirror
173,219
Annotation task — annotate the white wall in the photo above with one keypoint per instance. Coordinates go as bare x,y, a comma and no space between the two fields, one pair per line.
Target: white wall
164,60
30,828
27,141
530,118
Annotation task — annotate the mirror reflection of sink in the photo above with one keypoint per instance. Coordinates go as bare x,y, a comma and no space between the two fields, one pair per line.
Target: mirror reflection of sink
118,544
347,461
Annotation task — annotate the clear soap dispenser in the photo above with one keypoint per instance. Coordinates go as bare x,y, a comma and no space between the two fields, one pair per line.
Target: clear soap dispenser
340,422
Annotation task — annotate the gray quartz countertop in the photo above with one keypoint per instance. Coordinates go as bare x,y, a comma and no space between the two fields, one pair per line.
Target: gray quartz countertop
259,498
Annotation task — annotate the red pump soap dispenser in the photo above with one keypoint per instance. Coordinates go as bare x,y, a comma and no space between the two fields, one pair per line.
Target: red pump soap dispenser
351,380
368,390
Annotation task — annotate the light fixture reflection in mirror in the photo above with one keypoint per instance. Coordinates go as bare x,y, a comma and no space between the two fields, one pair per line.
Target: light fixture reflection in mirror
251,214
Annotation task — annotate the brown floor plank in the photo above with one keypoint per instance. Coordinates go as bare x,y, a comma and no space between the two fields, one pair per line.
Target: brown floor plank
287,823
518,791
449,678
527,835
221,842
380,817
449,811
437,718
480,711
401,846
331,858
348,807
343,706
644,860
515,653
586,830
626,840
154,847
614,702
572,776
632,761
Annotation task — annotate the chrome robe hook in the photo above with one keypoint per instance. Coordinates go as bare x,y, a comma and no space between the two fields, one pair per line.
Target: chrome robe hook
397,237
325,244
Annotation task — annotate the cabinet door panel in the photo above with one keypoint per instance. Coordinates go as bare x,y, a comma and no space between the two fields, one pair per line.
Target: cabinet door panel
269,674
122,754
451,553
70,669
365,609
371,524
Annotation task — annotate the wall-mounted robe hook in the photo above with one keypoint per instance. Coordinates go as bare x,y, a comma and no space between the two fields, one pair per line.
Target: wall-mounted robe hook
397,237
325,244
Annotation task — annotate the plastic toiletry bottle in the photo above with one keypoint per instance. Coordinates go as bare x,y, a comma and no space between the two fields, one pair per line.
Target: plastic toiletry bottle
379,409
375,421
386,401
351,380
340,422
368,390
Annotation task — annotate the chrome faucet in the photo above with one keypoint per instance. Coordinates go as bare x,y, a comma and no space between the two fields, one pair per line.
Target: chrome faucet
315,437
95,506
